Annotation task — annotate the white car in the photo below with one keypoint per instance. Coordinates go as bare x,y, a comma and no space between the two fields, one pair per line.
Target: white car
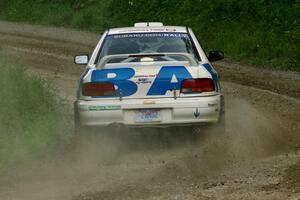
149,75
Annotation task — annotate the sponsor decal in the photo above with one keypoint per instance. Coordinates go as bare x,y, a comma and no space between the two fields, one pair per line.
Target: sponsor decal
149,102
120,79
168,78
102,108
146,76
141,35
143,81
196,113
149,30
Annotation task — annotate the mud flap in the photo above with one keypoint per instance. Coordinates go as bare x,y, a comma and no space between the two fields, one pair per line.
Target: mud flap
77,124
217,128
221,126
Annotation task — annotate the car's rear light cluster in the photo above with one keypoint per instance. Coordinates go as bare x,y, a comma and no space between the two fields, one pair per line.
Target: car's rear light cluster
98,89
197,85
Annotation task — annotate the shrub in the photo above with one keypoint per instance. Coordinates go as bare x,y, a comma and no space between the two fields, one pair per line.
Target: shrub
31,120
261,32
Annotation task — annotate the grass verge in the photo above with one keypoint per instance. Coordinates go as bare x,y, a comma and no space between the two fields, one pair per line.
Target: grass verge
31,120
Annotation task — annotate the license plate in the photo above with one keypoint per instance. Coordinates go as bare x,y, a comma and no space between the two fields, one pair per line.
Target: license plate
147,115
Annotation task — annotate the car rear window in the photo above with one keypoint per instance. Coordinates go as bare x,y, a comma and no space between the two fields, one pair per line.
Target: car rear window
143,43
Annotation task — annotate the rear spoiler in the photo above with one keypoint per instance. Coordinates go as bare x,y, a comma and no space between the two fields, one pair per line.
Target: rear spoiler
129,57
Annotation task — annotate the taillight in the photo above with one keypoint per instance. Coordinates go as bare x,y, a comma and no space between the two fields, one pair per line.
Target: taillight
197,85
98,89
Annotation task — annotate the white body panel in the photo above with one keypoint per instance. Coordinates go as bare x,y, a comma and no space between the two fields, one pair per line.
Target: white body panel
184,111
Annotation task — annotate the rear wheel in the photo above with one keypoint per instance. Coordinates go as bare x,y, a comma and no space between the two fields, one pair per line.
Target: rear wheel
221,125
78,128
77,124
214,128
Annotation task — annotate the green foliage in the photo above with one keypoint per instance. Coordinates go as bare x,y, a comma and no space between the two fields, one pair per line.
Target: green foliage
260,32
31,121
264,32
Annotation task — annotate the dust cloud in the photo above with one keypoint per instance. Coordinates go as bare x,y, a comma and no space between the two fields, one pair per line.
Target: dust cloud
250,135
104,159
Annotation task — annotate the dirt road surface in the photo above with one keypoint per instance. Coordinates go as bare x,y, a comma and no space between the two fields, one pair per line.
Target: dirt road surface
258,158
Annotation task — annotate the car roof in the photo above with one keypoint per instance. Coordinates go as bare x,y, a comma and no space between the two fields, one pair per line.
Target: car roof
147,29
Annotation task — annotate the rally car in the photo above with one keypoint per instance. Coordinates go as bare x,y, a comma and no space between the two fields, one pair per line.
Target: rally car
149,75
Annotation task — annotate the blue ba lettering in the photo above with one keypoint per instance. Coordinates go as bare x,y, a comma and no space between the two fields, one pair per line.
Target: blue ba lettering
119,77
163,82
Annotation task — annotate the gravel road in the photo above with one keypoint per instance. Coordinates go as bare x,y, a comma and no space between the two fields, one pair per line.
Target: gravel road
258,158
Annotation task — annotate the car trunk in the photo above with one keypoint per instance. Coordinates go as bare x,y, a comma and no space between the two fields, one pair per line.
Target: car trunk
148,80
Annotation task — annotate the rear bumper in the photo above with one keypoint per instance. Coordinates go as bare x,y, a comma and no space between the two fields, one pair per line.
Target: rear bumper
173,112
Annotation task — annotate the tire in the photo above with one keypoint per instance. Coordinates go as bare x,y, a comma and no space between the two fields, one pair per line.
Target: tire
221,124
77,124
199,131
217,128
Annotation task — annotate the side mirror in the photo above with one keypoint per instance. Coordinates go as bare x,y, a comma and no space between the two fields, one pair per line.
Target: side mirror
81,60
215,55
